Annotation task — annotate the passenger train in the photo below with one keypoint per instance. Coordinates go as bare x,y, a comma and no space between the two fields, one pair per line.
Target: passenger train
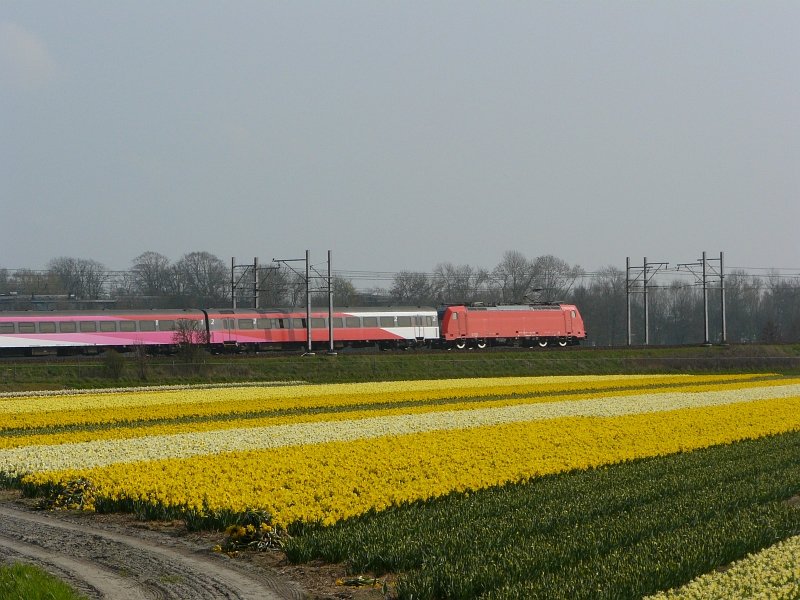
159,331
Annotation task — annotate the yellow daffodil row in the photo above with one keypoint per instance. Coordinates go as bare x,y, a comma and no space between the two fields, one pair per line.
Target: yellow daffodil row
102,452
773,573
368,467
30,437
131,407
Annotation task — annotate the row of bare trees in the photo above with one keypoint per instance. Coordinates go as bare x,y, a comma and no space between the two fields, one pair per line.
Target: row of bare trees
763,309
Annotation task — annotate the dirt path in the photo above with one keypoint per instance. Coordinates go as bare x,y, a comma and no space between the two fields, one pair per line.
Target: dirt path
108,560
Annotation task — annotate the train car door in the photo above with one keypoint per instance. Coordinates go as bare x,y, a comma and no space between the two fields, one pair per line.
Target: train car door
419,326
461,319
228,327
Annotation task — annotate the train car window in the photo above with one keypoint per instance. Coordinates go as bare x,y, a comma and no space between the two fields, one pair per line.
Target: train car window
404,321
6,328
108,326
166,325
352,322
246,324
264,323
454,316
298,323
318,323
27,327
47,327
337,323
147,325
67,327
87,326
387,321
127,325
280,323
370,321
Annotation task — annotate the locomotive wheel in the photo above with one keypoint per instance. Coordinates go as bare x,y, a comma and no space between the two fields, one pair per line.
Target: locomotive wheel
461,344
562,343
481,344
543,343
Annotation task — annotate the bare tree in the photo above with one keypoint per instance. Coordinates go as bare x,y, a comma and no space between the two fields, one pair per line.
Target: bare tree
410,287
602,305
344,292
515,275
744,311
80,278
554,277
459,283
153,275
273,286
30,283
296,289
204,278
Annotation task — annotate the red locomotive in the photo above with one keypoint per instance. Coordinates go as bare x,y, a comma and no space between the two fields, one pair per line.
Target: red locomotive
479,325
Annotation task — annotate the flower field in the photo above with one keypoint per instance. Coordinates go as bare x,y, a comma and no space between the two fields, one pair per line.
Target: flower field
327,459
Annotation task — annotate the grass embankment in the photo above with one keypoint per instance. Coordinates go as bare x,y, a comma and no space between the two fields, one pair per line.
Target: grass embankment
82,372
25,582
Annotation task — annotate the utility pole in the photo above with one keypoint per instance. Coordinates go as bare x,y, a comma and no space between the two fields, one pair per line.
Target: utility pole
237,283
628,297
702,265
330,305
724,339
255,282
307,277
648,270
233,282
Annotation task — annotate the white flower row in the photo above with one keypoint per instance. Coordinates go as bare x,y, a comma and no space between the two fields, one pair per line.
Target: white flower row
205,394
773,573
17,461
147,388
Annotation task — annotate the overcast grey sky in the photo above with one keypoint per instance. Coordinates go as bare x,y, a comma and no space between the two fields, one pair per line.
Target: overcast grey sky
400,134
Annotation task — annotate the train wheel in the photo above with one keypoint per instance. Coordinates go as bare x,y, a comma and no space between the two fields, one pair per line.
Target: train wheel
543,343
461,343
481,344
562,343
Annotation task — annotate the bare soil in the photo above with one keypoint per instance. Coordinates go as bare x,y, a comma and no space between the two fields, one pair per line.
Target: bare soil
116,556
